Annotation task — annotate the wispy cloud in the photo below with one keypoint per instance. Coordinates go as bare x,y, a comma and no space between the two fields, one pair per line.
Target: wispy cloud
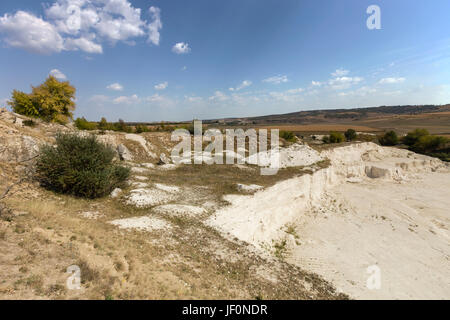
154,26
127,100
218,96
340,73
115,87
341,83
277,79
162,86
391,80
244,84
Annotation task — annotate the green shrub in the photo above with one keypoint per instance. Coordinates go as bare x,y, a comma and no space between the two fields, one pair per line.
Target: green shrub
412,137
83,124
336,137
141,128
79,166
429,143
122,127
52,101
288,136
390,138
29,123
103,125
350,134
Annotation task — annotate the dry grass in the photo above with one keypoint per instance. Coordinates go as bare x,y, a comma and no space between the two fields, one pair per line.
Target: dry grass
191,261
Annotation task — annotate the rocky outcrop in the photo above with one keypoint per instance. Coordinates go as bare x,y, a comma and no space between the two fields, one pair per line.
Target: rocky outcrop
17,148
124,153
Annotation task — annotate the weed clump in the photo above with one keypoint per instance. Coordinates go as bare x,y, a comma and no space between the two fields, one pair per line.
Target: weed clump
288,136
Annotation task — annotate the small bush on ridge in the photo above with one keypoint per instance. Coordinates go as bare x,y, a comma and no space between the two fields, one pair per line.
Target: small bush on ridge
350,134
334,137
288,136
390,138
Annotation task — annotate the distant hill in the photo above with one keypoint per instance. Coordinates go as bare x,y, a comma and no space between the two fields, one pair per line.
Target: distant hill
336,115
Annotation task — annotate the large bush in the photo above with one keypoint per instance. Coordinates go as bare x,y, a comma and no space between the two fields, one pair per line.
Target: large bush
79,166
52,101
350,134
83,124
427,144
334,137
390,138
412,137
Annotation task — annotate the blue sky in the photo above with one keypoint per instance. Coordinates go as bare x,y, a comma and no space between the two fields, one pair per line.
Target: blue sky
178,60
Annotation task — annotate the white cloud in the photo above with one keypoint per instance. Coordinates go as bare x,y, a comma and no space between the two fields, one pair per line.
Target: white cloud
219,96
58,74
25,31
391,80
340,73
294,91
160,101
80,25
154,98
127,100
362,92
115,86
83,44
154,26
316,83
184,68
162,86
193,99
341,83
181,48
244,84
276,79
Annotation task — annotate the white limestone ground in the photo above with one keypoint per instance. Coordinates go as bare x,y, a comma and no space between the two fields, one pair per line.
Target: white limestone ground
373,205
170,189
141,140
296,155
139,170
169,166
144,223
92,215
141,178
139,185
248,188
180,210
143,198
115,193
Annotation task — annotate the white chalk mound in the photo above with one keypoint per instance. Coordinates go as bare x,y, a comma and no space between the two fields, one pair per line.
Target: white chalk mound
296,155
142,198
141,223
372,206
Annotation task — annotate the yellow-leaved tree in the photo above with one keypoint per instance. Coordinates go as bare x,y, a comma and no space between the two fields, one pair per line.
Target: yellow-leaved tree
52,101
